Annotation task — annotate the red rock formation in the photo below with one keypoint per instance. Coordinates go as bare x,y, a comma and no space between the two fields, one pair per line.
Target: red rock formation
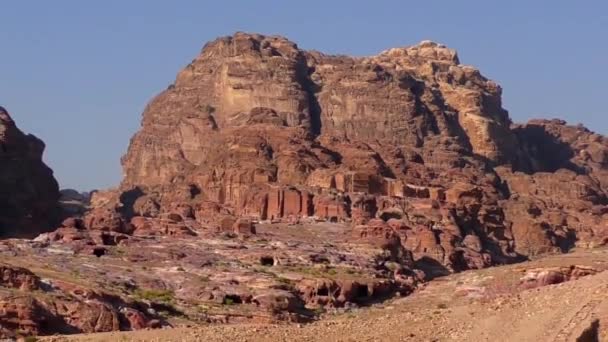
28,200
18,278
257,128
32,309
380,234
554,275
336,293
244,227
287,202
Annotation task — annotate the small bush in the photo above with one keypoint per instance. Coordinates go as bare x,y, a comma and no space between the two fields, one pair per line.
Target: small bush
319,311
164,296
232,300
285,281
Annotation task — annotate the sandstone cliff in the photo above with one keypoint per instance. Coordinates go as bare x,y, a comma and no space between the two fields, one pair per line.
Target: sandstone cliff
256,127
28,200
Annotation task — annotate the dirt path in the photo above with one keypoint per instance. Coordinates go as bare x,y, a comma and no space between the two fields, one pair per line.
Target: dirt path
554,313
462,307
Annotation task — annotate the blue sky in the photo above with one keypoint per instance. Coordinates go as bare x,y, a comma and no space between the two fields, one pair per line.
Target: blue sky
79,73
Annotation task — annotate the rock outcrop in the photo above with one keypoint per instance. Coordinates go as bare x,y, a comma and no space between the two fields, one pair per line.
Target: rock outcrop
269,183
554,275
30,306
28,200
259,129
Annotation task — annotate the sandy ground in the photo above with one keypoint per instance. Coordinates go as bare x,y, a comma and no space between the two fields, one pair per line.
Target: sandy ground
484,305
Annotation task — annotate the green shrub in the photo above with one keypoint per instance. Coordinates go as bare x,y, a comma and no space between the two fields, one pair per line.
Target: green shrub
164,296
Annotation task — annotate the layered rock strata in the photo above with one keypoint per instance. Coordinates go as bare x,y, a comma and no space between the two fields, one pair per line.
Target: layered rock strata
256,127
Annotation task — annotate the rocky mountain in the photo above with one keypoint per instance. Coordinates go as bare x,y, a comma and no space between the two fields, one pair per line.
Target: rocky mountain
28,199
269,183
410,138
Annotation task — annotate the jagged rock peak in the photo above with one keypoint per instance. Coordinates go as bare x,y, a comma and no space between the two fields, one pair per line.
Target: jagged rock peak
5,117
276,45
426,50
28,201
244,43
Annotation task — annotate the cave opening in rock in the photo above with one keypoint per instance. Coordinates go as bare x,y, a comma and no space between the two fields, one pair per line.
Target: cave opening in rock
323,291
267,261
233,299
99,251
361,292
194,190
390,215
108,240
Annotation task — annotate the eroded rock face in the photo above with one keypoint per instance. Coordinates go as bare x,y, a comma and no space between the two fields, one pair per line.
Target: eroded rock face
28,200
256,128
247,109
559,198
269,182
30,306
554,275
18,278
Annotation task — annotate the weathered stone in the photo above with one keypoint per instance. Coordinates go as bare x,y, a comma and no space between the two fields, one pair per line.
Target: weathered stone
30,194
257,128
244,227
554,275
18,278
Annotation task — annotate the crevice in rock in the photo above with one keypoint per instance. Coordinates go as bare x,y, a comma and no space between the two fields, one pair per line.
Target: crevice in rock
267,261
303,72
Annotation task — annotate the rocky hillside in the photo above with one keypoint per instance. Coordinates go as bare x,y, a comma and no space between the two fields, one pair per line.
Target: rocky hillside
270,183
28,200
548,299
410,141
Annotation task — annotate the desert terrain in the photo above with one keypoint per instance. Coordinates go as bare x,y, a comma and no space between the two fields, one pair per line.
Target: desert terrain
276,193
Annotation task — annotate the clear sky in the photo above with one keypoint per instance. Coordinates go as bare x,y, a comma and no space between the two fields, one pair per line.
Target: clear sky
78,73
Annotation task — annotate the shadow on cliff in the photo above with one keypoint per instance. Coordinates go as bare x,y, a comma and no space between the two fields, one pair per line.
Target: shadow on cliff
543,152
567,242
303,73
128,199
431,268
